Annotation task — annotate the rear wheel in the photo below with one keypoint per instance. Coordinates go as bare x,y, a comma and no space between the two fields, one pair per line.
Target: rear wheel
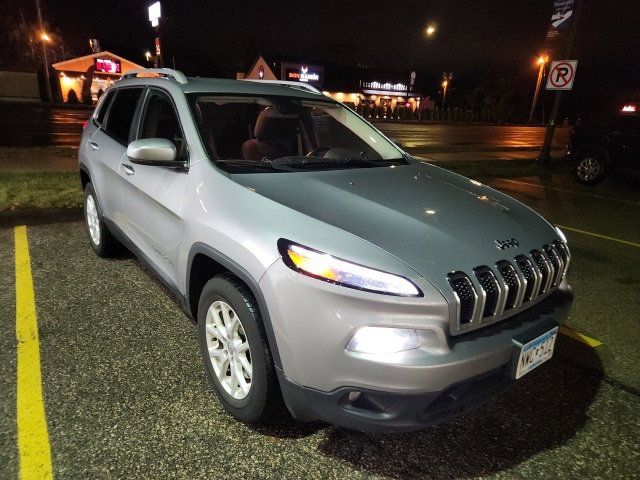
100,239
590,167
235,350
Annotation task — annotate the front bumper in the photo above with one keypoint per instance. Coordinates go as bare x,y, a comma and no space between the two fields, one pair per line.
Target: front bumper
447,375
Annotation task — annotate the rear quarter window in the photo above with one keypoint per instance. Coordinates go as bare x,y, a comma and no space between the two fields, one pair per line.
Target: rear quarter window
121,113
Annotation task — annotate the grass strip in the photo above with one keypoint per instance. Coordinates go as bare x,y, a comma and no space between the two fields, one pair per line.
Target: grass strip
29,190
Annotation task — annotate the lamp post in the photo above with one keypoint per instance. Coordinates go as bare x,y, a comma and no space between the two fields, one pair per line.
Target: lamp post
541,61
446,79
44,37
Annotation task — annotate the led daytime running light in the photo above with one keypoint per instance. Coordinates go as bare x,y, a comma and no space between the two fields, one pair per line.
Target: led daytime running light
335,270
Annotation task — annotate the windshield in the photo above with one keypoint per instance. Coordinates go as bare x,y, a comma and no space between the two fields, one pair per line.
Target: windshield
269,133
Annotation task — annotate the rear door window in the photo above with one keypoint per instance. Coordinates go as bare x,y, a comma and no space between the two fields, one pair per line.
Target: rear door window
121,113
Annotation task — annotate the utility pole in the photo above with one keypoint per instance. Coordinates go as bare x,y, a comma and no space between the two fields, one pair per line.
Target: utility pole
45,61
545,153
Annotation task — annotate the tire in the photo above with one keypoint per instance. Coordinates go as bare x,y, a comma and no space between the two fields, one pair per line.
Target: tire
227,302
100,239
590,168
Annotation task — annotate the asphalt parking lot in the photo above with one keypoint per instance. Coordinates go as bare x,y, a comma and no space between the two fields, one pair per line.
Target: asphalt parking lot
125,394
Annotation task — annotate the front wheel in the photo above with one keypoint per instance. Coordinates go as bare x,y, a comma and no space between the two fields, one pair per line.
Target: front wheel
235,350
590,168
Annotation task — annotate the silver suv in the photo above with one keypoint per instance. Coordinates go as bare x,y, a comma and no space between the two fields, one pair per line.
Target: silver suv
323,265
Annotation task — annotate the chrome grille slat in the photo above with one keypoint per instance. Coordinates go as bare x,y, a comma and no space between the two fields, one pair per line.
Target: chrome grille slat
466,298
564,253
557,262
491,290
545,269
491,294
513,282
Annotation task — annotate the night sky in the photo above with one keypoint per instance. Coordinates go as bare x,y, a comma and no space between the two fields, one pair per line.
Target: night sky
476,39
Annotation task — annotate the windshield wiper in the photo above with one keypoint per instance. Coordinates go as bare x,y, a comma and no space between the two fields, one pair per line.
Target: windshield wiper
295,163
247,164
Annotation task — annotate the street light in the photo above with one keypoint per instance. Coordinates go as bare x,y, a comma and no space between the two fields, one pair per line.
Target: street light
44,36
430,30
541,61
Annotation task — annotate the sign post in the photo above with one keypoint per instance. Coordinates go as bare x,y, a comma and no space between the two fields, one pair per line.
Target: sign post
155,14
561,72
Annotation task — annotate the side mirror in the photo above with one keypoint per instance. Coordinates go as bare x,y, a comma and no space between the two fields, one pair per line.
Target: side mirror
157,152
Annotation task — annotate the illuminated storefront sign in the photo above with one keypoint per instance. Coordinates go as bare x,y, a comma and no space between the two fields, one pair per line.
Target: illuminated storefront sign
386,88
106,65
296,72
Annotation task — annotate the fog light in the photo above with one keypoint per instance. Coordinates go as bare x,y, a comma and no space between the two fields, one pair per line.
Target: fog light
383,340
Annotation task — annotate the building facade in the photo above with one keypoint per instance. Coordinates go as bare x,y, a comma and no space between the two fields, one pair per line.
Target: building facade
84,79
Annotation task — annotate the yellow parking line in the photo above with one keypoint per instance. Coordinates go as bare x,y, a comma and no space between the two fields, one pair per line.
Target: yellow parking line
598,235
569,332
33,439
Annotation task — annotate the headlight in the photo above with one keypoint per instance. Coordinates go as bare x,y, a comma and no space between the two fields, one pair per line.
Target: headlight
341,272
383,340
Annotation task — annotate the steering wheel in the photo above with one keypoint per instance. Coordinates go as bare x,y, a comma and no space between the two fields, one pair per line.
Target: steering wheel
318,152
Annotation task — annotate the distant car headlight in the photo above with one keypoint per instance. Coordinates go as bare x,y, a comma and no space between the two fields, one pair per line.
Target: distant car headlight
383,340
331,269
561,235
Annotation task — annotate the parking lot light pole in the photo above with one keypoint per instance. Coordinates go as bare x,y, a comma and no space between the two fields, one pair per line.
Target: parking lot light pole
44,37
542,60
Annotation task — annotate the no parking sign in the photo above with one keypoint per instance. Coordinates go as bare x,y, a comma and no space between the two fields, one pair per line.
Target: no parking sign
562,73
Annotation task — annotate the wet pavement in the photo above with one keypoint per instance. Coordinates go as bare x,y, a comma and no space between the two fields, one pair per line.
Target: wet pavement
29,125
126,395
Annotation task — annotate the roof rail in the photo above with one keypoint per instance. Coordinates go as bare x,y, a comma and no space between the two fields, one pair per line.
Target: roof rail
177,75
287,83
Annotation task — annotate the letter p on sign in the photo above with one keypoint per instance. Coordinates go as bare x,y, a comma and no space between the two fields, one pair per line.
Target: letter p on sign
562,73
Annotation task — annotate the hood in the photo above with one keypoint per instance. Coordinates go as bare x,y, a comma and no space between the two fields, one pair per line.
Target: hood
431,219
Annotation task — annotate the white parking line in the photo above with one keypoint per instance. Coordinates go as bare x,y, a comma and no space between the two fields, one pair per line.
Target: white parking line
594,195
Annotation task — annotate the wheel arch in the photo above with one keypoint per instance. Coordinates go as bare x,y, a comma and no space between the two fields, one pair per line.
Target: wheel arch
205,262
85,177
593,148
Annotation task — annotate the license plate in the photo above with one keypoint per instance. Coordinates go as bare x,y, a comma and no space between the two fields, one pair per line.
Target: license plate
536,352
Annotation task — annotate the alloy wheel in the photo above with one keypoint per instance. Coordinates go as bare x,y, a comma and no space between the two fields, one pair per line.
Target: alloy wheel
228,349
588,169
93,220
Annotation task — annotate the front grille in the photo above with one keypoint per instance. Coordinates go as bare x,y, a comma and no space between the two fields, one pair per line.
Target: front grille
495,293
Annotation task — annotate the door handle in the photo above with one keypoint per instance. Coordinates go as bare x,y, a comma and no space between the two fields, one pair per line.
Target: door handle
94,145
128,169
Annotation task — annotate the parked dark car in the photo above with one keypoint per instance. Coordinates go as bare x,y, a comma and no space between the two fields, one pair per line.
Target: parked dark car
594,152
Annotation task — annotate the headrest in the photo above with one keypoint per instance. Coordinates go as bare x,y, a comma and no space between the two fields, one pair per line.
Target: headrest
270,123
